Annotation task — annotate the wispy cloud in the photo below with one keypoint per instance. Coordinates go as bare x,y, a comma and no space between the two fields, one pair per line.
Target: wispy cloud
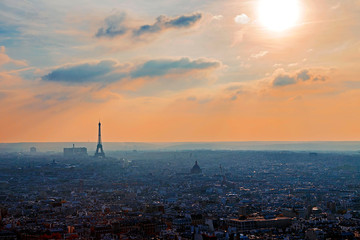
113,26
259,54
4,58
218,17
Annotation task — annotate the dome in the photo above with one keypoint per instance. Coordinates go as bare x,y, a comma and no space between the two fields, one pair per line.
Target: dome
196,169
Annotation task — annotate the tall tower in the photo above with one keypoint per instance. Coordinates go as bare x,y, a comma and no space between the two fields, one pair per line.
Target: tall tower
99,149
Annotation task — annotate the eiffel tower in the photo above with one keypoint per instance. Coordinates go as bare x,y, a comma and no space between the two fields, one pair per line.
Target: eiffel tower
99,149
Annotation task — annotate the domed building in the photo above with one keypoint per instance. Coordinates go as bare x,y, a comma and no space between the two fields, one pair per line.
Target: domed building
196,169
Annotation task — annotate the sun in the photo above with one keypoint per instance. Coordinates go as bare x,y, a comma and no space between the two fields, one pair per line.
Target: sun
278,15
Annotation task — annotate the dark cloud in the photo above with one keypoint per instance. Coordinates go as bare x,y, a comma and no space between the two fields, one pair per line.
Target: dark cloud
162,23
283,80
113,26
108,71
320,78
303,75
145,29
87,72
184,21
236,94
155,68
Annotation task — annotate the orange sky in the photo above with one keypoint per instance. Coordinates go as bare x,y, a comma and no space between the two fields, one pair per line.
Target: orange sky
203,71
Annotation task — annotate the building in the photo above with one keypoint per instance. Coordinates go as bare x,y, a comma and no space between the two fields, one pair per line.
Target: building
75,152
314,234
259,223
196,169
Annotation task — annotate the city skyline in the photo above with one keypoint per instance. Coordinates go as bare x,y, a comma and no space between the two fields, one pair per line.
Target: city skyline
173,72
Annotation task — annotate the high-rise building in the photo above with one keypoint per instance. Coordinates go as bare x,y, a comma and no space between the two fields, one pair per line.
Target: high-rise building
99,148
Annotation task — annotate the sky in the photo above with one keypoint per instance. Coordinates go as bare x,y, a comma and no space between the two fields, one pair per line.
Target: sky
179,70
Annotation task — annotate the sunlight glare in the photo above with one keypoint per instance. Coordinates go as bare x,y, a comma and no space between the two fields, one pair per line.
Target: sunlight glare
278,15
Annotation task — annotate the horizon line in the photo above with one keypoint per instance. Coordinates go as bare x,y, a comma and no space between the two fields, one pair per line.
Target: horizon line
251,141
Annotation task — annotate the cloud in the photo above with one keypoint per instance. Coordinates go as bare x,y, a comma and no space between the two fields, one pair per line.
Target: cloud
218,17
147,29
183,21
236,94
53,96
282,78
4,58
191,98
303,75
320,78
113,26
259,54
293,64
86,72
242,19
163,23
156,68
116,25
234,88
107,71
